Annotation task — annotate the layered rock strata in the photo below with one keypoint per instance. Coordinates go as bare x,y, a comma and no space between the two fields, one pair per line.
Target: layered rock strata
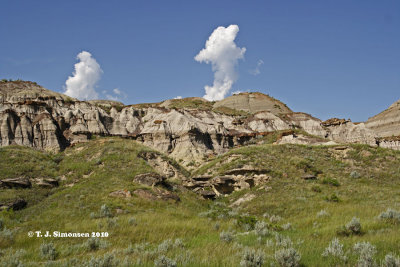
33,116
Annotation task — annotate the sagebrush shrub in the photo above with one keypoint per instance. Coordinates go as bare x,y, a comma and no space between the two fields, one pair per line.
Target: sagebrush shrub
12,259
108,260
178,243
261,228
165,246
252,258
287,226
322,213
351,228
391,261
105,211
354,226
94,243
112,223
287,257
335,250
355,175
48,251
184,258
275,218
7,234
283,241
366,253
390,215
132,221
138,248
163,261
226,236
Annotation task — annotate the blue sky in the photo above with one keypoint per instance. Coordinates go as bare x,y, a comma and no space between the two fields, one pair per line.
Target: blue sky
327,58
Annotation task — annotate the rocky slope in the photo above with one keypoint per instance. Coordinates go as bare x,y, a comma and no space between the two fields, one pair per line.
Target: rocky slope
387,122
386,125
189,130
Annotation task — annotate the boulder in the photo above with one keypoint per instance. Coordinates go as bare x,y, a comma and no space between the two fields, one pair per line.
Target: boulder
20,182
18,204
46,182
150,179
145,194
309,177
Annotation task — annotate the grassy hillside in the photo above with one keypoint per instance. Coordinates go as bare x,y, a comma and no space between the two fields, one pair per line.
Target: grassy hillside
287,212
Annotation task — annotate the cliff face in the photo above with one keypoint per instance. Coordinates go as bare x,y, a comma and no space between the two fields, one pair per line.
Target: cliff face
386,123
188,129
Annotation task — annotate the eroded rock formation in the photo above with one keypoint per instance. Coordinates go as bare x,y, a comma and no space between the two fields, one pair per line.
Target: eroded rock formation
189,130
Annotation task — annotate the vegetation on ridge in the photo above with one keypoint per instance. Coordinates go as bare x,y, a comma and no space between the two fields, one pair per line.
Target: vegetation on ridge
289,221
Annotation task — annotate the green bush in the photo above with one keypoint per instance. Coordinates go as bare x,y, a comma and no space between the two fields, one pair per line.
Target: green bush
331,181
246,222
332,198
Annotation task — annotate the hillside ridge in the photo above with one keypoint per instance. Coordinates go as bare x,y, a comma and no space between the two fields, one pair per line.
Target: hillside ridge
189,129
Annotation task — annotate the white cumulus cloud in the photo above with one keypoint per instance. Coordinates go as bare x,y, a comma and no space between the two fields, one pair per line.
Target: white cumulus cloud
223,54
87,73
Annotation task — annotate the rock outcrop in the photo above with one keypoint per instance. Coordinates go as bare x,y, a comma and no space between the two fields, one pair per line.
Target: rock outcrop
386,123
189,130
20,182
210,186
18,204
149,179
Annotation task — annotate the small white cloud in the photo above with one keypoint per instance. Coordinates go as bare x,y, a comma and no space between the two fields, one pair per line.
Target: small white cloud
178,97
85,77
118,95
223,54
111,97
117,91
236,92
256,71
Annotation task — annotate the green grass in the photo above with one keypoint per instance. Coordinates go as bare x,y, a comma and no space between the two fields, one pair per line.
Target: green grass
191,104
105,165
199,104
